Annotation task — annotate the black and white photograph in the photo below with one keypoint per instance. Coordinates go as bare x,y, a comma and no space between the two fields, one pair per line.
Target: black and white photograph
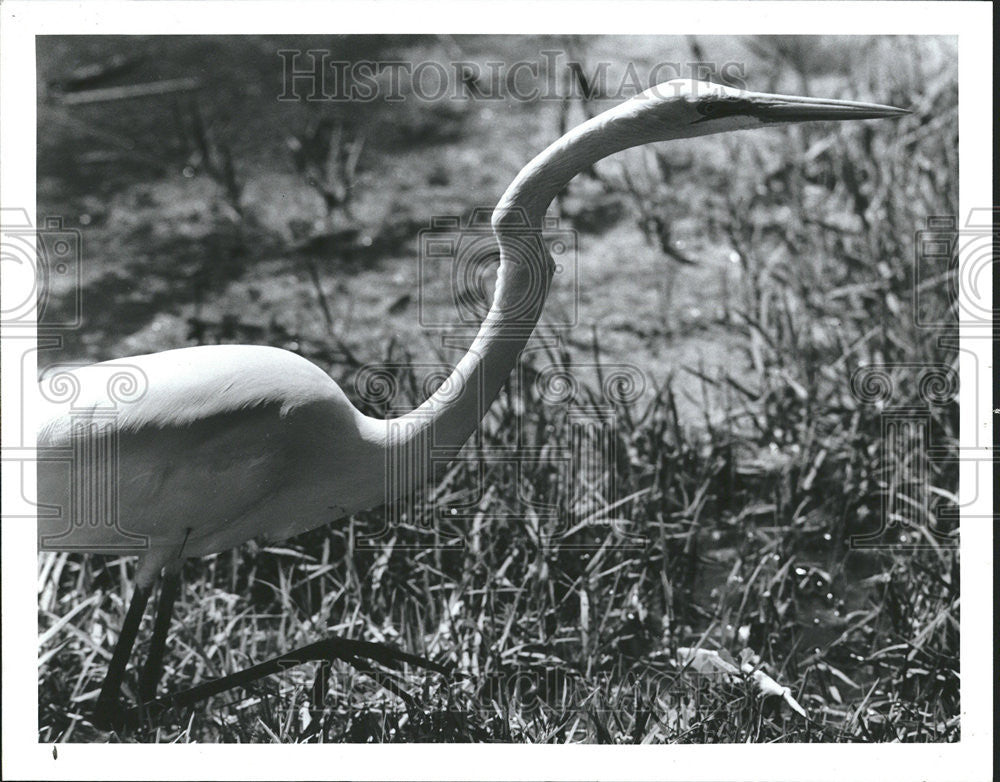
376,378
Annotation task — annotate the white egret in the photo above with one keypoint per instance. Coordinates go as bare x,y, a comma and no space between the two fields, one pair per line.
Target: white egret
228,443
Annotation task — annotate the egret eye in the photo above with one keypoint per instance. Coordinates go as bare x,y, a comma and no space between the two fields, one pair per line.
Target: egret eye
710,109
716,107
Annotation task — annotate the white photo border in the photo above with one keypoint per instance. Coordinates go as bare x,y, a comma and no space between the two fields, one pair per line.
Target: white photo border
25,758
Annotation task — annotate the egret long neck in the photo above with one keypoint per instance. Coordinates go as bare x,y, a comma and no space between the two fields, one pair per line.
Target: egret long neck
447,419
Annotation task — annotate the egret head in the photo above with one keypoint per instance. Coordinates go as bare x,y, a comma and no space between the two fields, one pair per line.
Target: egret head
685,108
677,109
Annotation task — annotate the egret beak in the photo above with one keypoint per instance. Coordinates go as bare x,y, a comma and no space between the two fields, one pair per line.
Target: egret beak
786,108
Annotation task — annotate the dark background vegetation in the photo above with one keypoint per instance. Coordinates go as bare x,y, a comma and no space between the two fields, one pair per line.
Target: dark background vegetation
743,278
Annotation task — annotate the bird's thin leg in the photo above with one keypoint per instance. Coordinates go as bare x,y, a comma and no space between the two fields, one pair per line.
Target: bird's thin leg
328,649
107,711
153,667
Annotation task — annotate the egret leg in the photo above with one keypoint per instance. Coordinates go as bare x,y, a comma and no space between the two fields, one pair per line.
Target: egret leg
107,712
333,648
153,667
